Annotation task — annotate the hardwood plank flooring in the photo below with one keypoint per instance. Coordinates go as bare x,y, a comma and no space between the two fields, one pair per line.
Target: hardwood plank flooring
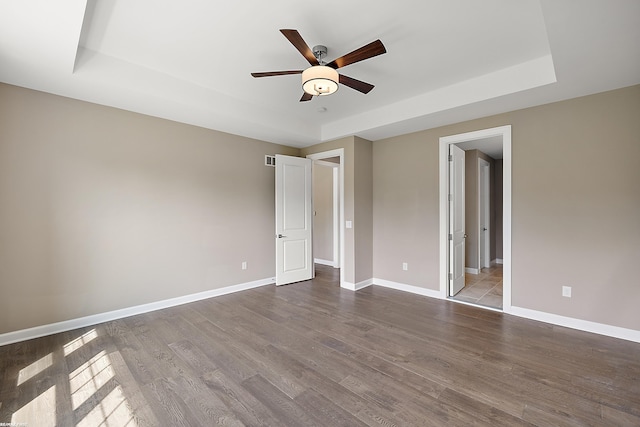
312,354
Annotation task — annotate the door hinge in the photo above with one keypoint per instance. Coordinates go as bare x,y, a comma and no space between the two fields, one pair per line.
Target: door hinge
450,197
450,236
451,157
450,276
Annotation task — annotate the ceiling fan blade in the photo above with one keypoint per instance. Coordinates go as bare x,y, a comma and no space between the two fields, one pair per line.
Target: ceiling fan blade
365,52
358,85
296,39
276,73
306,97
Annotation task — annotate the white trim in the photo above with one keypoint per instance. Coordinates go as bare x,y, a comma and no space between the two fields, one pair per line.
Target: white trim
443,204
357,286
484,187
497,261
81,322
339,152
336,217
505,132
581,325
541,316
335,213
472,270
348,285
326,164
324,262
506,218
407,288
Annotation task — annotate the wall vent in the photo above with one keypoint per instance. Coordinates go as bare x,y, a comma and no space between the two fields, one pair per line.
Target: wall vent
270,160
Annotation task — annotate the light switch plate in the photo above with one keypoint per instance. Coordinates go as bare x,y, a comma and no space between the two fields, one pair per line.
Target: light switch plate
349,224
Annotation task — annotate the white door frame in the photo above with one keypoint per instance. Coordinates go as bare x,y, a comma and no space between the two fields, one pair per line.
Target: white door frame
505,133
335,211
337,203
484,201
326,155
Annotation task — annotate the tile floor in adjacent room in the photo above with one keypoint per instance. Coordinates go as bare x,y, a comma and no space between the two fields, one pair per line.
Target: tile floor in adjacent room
484,288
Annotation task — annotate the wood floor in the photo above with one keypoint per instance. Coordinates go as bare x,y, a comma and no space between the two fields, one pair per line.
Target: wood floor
311,354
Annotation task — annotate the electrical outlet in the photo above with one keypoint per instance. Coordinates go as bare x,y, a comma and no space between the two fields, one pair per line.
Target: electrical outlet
566,291
405,266
244,265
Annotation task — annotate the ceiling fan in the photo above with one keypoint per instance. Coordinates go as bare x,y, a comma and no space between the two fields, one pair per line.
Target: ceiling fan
321,78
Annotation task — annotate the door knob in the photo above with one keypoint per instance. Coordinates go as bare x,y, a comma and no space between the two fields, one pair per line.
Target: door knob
280,236
484,229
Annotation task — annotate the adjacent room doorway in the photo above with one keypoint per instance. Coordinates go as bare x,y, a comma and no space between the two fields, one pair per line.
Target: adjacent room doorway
450,212
336,157
294,216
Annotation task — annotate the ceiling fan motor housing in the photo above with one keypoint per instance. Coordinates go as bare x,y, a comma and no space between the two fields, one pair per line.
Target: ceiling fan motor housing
319,51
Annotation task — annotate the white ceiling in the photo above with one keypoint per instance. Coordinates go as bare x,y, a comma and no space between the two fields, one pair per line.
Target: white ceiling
446,61
491,146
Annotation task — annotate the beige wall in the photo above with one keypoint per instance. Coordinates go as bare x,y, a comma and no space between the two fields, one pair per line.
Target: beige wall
405,209
102,209
363,209
575,206
358,196
323,212
349,238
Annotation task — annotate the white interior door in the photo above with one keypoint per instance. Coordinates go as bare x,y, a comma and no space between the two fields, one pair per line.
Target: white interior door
294,216
484,229
456,220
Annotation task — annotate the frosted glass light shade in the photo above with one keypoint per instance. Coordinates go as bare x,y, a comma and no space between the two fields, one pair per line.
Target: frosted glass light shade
320,80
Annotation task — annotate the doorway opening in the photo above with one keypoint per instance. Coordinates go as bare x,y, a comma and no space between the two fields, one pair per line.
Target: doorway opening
471,265
328,219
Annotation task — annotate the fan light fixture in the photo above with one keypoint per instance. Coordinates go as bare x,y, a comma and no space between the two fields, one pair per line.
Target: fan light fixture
320,80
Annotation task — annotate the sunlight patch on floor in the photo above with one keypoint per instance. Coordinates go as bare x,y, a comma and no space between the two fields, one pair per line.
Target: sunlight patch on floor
35,368
95,394
113,410
72,346
85,381
41,411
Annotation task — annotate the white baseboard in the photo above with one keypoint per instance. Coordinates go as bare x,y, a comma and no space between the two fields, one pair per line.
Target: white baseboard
498,261
357,286
554,319
471,270
407,288
324,262
67,325
581,325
